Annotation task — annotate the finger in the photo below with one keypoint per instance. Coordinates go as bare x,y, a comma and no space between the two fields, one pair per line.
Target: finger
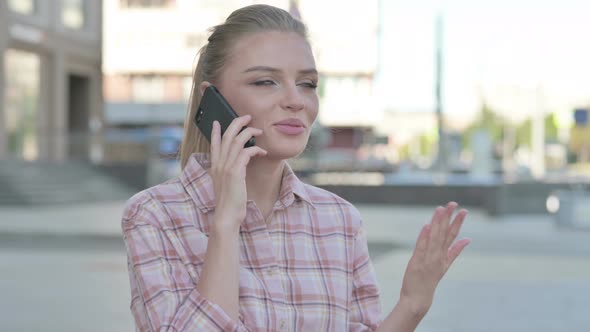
435,241
231,132
449,210
215,142
239,142
456,250
422,242
247,154
455,227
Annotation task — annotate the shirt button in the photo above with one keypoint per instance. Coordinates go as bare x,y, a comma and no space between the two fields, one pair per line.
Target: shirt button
282,324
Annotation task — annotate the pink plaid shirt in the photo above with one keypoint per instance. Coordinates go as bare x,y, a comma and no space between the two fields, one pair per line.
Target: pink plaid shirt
308,269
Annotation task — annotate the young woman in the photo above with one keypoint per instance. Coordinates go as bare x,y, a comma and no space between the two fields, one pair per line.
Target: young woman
237,242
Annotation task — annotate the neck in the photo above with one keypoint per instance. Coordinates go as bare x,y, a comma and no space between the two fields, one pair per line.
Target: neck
263,182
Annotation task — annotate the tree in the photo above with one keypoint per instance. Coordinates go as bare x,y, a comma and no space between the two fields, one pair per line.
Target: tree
524,131
487,120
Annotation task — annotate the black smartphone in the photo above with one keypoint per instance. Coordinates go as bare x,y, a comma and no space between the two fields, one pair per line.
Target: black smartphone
212,107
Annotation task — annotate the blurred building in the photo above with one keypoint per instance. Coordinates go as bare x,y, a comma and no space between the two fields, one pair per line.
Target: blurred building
50,79
345,38
346,53
149,47
149,53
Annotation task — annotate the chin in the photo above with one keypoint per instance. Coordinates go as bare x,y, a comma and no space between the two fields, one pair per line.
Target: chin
283,148
283,155
285,151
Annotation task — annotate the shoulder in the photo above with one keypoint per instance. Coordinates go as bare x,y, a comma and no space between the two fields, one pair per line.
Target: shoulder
150,205
326,201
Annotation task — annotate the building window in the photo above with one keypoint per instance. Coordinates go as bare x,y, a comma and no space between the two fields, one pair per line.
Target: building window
24,7
187,87
146,3
194,40
147,89
21,105
72,14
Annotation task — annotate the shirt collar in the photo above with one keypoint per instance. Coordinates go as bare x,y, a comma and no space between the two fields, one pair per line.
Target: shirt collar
199,184
292,188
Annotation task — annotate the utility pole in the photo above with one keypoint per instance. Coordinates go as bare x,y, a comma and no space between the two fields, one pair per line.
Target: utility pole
379,86
379,59
441,160
538,133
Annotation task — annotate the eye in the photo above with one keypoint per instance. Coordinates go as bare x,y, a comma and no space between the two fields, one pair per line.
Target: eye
310,85
264,82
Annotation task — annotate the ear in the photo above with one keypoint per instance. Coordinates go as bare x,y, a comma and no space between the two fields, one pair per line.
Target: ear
204,85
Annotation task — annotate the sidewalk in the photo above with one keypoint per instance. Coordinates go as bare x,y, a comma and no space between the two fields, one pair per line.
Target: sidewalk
531,234
521,273
383,222
66,227
99,220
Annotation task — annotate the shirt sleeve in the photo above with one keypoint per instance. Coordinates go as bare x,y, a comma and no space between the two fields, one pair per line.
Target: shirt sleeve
164,296
365,307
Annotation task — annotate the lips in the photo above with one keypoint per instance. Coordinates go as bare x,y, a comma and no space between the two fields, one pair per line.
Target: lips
290,122
290,127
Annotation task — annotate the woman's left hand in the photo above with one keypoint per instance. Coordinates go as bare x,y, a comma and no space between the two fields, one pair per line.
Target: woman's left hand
432,257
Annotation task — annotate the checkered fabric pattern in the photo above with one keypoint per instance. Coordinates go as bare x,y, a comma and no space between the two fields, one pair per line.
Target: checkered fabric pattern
307,268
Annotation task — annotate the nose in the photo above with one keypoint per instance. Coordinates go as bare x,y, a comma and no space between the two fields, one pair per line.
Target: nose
293,99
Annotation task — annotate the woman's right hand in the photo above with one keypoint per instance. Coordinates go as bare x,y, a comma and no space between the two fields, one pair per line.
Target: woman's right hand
229,160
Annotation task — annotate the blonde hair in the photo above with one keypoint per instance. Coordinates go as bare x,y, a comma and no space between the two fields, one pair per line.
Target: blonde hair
214,54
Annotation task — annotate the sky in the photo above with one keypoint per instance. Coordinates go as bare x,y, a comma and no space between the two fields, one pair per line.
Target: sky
521,56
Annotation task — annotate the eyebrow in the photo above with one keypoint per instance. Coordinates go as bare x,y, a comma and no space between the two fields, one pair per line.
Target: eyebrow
276,70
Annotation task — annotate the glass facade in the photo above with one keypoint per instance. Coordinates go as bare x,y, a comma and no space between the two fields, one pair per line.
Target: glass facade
22,75
73,14
148,89
147,3
24,7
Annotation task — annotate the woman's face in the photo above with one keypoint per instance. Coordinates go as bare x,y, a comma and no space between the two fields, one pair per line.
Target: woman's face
272,76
